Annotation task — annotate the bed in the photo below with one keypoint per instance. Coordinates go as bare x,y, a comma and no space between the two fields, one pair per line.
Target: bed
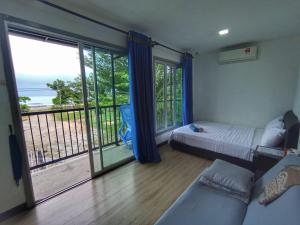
232,143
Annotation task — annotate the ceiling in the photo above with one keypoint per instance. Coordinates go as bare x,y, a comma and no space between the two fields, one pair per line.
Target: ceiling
194,24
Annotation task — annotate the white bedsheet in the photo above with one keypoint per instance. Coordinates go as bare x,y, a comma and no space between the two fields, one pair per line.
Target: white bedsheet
236,141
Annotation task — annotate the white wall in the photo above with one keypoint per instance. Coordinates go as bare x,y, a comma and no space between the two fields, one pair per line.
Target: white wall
249,93
10,195
164,53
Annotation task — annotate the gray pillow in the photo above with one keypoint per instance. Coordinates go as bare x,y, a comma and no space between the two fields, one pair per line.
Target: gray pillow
272,137
234,180
277,122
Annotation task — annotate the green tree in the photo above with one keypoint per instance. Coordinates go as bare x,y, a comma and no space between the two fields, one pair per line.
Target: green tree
105,79
63,92
70,93
75,87
121,80
23,103
159,95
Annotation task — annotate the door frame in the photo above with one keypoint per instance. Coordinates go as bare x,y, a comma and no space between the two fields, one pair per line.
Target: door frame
7,22
15,111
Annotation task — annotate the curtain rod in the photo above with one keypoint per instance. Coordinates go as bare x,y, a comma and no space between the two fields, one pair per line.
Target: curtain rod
172,49
101,23
82,16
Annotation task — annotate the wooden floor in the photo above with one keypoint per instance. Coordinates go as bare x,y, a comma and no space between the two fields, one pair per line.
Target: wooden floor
133,194
59,176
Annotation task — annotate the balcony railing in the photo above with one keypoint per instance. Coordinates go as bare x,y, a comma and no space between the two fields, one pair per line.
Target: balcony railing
56,135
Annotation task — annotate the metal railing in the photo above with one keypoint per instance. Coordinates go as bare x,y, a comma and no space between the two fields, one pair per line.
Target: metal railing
55,135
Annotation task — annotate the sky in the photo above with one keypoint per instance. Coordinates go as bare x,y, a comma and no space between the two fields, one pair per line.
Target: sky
39,60
37,63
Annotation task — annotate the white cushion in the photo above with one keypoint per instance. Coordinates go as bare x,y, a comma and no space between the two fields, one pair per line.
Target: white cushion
272,137
236,181
277,122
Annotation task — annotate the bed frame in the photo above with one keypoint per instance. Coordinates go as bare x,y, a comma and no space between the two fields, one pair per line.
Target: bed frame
291,124
210,154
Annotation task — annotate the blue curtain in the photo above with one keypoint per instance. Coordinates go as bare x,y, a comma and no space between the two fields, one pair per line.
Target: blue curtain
187,89
141,98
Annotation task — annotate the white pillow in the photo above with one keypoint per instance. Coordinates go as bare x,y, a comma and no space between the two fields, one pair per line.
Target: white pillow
272,137
276,123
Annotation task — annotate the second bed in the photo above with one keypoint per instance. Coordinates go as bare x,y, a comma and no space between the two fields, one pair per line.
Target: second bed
229,142
234,143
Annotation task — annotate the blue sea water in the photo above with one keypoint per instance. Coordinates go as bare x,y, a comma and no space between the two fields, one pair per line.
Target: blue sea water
37,99
37,91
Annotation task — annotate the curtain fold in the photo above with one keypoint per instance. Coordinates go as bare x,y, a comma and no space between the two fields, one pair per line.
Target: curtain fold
141,98
187,89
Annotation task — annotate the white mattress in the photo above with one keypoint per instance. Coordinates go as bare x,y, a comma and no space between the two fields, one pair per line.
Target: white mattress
236,141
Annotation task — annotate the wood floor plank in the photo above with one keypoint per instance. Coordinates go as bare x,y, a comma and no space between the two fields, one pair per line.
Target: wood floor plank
133,194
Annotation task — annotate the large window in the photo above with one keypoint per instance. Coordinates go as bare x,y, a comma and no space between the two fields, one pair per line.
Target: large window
168,95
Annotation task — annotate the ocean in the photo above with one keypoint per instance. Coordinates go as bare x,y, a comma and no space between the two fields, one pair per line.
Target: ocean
41,98
37,91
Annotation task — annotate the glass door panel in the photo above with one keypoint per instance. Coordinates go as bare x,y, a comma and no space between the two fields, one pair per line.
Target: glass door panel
121,80
92,99
103,68
107,88
116,150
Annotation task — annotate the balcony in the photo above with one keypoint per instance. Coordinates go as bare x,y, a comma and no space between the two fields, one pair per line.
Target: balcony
57,146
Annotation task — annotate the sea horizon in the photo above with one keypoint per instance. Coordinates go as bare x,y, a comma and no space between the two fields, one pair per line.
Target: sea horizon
37,90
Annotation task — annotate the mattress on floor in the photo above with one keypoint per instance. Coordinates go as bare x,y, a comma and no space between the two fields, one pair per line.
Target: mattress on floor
232,140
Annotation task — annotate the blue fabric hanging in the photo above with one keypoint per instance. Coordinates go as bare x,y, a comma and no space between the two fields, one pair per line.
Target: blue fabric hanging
187,89
141,98
15,155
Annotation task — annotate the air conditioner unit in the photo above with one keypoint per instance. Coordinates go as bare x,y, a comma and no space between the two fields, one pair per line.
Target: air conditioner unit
237,55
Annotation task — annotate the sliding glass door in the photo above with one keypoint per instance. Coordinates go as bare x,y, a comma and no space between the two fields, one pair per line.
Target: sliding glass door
107,87
67,96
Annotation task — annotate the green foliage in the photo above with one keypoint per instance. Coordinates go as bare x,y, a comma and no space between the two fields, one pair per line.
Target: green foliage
75,87
63,92
70,93
23,103
104,78
159,82
166,99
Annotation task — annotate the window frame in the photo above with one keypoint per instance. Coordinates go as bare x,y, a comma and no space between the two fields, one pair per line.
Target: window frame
174,66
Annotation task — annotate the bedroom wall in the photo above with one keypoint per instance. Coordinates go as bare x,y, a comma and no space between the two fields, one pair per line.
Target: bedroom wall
249,93
11,195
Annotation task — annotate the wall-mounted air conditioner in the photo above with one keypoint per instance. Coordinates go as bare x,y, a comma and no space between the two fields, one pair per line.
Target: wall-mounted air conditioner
238,55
